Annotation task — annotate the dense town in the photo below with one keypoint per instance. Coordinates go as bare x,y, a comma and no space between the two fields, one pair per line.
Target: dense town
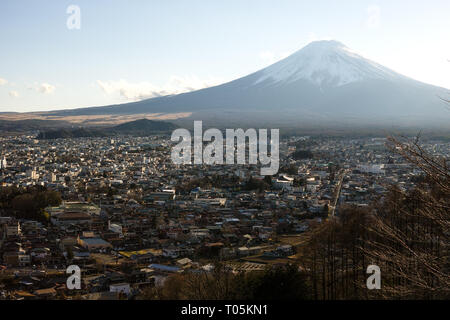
122,211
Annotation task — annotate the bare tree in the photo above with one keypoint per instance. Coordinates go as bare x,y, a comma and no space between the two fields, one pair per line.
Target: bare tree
410,230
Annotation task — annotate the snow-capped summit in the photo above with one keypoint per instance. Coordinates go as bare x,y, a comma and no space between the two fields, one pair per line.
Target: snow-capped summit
325,63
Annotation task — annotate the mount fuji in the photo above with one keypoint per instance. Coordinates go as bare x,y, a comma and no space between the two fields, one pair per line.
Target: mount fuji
324,82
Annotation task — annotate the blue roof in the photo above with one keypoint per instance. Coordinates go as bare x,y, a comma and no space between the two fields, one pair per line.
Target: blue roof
164,267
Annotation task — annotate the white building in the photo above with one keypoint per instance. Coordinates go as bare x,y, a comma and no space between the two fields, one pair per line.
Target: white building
33,174
116,228
284,182
13,229
3,163
371,168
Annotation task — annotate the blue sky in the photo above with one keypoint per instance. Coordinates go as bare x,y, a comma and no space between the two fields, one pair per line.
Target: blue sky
129,50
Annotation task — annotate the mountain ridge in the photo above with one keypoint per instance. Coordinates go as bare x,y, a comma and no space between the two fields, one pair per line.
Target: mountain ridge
323,80
141,127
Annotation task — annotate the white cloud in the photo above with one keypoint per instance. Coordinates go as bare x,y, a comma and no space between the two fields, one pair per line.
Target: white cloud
3,81
144,90
373,19
13,94
46,88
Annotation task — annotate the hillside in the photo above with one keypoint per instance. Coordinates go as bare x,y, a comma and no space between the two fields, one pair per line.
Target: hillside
141,127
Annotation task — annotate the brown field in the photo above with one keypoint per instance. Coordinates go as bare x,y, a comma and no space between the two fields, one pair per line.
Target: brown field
95,120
